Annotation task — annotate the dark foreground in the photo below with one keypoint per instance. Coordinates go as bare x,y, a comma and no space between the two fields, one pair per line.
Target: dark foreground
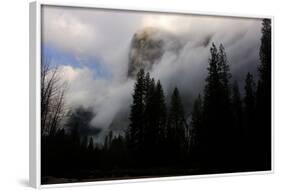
97,175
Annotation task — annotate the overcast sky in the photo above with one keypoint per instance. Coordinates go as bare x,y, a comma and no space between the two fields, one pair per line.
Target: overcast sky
91,48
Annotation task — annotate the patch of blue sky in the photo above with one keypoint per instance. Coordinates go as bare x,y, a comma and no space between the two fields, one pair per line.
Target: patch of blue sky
59,57
95,64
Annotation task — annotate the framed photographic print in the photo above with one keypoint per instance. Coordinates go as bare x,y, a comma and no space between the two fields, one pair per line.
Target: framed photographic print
127,94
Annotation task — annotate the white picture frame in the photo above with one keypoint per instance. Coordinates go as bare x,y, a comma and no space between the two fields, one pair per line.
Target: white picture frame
34,97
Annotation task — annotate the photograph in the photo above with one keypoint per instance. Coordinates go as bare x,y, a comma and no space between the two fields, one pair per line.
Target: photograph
135,94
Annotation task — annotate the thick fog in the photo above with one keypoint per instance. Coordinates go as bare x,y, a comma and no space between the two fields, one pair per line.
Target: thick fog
100,41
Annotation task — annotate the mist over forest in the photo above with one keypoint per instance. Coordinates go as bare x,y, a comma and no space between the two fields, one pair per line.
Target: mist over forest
96,62
153,94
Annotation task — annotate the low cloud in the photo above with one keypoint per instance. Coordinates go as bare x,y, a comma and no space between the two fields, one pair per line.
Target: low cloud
108,99
106,36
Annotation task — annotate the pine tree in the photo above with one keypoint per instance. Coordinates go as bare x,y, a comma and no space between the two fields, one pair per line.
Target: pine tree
223,68
160,117
265,53
161,109
176,128
250,121
149,109
136,128
210,135
148,87
154,121
213,85
264,98
225,99
148,145
217,129
224,75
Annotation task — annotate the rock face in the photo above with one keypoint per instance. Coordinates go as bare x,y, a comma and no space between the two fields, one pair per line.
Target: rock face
147,47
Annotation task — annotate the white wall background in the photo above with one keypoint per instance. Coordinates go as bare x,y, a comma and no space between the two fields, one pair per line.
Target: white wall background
14,93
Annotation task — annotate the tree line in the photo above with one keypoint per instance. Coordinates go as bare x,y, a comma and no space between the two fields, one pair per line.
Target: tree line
157,133
230,129
228,132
